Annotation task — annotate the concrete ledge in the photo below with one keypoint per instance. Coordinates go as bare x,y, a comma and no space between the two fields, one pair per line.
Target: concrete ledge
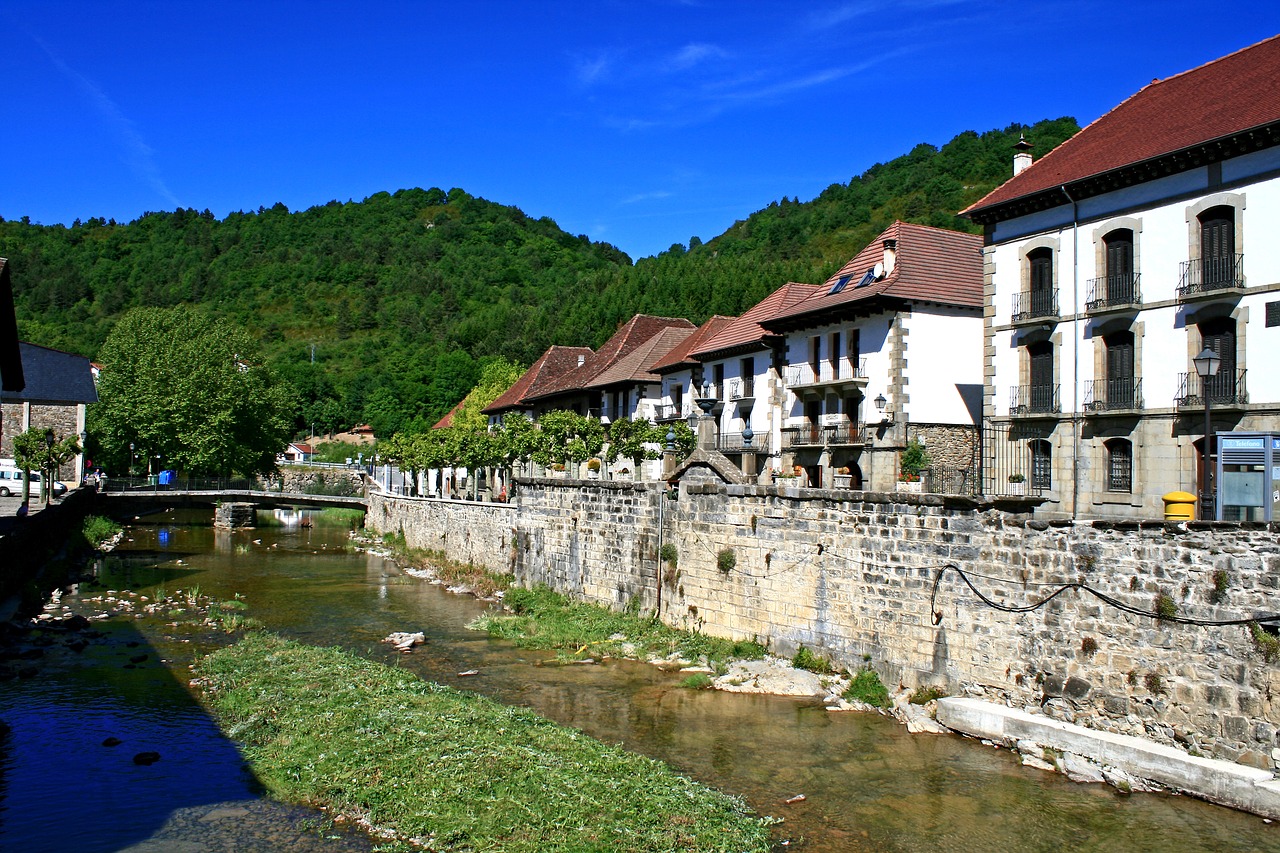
1222,782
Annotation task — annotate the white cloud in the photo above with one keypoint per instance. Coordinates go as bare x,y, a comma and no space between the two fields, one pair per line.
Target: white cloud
136,153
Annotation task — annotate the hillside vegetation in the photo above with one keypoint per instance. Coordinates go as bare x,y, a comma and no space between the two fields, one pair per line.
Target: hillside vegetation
387,310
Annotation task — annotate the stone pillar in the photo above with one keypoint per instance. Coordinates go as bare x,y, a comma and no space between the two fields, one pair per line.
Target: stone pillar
234,515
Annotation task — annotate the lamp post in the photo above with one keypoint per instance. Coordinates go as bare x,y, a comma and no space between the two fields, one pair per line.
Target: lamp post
1207,363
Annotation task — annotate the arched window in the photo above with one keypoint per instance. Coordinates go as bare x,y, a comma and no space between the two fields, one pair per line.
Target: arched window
1219,335
1119,465
1218,246
1121,377
1041,464
1119,274
1041,263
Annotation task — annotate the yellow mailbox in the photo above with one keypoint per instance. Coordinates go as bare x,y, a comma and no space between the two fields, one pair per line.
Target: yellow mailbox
1179,506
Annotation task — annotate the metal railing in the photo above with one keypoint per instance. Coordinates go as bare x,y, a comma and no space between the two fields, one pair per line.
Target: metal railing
1034,400
950,481
823,436
731,442
1035,304
1113,291
670,413
1224,388
843,370
741,388
1110,395
1209,275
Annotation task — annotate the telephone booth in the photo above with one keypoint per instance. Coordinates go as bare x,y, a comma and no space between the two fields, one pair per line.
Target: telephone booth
1248,476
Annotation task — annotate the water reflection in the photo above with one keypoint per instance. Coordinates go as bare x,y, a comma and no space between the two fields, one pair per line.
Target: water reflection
868,784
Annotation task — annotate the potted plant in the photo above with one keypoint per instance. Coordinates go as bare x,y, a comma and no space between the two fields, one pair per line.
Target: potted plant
593,469
842,478
914,461
1017,484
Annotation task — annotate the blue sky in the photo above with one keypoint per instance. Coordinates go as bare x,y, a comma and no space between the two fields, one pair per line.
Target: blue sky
638,123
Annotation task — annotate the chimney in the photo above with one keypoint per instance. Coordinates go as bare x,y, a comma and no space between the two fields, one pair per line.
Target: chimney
1022,159
890,255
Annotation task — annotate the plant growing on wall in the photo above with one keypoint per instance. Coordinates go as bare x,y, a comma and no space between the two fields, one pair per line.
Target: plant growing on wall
1221,582
726,560
914,460
1165,607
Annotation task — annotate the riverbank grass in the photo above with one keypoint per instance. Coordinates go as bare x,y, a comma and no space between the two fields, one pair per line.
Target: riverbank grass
541,618
443,769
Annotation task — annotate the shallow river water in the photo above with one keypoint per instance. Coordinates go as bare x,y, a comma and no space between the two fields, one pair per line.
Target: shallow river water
868,784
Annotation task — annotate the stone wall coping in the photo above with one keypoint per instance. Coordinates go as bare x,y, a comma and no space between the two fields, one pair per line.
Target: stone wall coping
606,485
424,499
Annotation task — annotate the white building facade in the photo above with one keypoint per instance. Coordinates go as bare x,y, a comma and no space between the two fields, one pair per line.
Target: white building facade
1110,265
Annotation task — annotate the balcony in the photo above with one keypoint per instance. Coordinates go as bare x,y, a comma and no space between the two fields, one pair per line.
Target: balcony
1203,277
1113,293
1112,396
816,379
1226,389
837,435
1034,400
731,442
1035,305
743,392
669,413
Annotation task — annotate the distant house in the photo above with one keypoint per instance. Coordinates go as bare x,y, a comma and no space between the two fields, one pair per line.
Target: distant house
297,452
1111,263
537,382
12,380
887,350
58,387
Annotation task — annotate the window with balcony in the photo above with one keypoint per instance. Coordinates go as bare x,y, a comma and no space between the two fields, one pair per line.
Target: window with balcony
1119,285
1121,379
1219,335
1119,465
1041,261
1219,266
1040,357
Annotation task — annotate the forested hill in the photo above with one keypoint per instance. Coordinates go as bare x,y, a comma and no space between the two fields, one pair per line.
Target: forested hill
400,298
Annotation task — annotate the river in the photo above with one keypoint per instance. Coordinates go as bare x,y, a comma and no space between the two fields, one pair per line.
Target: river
868,785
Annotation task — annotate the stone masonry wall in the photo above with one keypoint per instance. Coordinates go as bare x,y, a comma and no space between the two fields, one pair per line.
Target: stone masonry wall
851,576
469,532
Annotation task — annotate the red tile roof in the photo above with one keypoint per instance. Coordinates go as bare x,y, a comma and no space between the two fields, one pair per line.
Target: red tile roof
931,265
746,329
447,420
1229,95
634,366
679,356
543,374
631,335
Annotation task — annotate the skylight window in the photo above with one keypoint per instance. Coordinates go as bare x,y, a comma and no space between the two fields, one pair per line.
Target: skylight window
839,285
868,278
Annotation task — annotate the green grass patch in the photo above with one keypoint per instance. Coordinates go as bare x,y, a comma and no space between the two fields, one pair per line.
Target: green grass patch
335,516
867,687
540,618
697,681
483,581
925,695
97,529
805,659
452,770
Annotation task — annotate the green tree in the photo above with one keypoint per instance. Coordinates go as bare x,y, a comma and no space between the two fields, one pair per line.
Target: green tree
191,390
40,450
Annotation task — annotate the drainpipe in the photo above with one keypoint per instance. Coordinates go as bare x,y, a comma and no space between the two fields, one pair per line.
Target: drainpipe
662,504
1075,354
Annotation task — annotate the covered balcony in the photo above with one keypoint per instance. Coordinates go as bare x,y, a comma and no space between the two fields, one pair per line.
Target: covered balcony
842,377
831,435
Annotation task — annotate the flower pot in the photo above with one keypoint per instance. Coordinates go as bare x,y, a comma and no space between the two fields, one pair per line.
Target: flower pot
914,488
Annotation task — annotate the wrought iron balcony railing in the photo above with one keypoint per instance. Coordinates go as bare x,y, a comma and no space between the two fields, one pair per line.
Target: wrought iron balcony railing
843,370
1225,388
1113,291
1035,305
1202,276
670,413
811,435
1112,395
740,389
731,442
1034,400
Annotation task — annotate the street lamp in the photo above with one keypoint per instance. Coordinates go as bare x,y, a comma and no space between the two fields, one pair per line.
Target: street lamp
1207,363
881,404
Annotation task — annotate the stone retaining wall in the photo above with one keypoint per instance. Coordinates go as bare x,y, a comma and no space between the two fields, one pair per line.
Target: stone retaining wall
851,576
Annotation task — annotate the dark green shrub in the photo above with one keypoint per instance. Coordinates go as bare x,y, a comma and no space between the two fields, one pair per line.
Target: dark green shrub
866,687
805,659
1153,682
1221,582
925,695
1165,607
668,554
726,560
697,681
1267,643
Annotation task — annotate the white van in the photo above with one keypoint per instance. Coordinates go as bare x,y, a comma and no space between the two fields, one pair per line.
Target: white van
11,483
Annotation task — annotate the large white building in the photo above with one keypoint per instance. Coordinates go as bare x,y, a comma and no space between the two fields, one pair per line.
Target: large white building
1114,261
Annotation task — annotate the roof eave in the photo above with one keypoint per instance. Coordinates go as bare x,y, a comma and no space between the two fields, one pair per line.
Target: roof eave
1193,156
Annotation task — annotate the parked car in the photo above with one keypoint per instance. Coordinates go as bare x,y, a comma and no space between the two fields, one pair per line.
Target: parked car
11,483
